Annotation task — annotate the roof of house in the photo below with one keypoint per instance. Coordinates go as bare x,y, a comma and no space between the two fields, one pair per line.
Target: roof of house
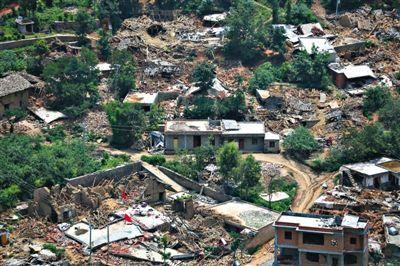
246,214
320,221
321,44
352,71
13,83
272,136
306,29
104,67
247,128
225,127
141,98
263,94
368,168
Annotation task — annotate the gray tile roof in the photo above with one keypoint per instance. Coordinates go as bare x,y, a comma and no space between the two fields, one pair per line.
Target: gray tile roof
13,83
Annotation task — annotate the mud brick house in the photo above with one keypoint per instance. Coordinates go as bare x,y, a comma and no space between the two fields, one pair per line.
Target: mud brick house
14,93
308,239
190,134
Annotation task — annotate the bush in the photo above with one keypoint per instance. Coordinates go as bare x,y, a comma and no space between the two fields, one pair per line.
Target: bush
53,248
156,159
10,61
301,14
54,134
300,143
376,98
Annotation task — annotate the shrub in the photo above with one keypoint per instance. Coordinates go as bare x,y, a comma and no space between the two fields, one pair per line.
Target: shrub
376,98
300,143
156,159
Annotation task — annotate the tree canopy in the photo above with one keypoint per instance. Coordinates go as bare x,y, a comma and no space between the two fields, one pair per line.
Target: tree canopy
300,142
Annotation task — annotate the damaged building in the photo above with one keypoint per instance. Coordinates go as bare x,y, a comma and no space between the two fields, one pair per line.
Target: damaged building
383,173
190,134
309,239
14,93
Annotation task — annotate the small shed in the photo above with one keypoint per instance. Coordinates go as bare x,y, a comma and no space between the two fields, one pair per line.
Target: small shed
342,75
24,25
271,142
14,92
321,44
145,100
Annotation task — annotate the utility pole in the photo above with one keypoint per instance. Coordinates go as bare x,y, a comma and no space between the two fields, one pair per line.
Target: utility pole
337,7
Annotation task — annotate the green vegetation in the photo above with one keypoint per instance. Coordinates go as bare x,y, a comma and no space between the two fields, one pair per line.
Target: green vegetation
228,158
122,80
300,143
376,98
86,24
300,14
73,82
28,162
53,248
10,61
232,107
128,123
156,159
203,75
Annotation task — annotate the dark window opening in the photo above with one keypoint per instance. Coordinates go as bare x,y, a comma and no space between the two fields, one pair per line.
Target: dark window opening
288,235
241,144
66,215
196,141
314,257
313,239
7,107
272,144
161,196
353,240
350,259
254,141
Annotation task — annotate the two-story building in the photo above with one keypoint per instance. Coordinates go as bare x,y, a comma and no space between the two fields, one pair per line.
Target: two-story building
309,239
190,134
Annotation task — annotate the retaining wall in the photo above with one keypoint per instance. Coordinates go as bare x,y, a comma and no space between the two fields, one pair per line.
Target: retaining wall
26,42
192,185
114,174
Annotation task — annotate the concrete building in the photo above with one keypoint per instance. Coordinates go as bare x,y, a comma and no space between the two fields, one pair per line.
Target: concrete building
145,100
24,25
190,134
14,93
307,239
383,173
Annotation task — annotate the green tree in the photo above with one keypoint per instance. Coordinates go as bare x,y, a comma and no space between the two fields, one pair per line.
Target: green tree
156,117
203,156
232,107
86,24
104,46
275,11
203,75
277,40
165,255
41,48
122,80
288,11
128,123
310,70
389,115
300,142
263,77
301,14
248,174
376,98
247,30
110,9
73,83
228,158
10,61
203,107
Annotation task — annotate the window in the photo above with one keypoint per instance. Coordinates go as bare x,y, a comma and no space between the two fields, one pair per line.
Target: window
313,239
288,235
176,143
272,144
254,141
353,240
7,107
314,257
350,259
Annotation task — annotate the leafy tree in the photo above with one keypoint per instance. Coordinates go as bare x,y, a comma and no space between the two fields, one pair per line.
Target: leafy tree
86,24
104,46
10,61
248,174
233,107
29,6
228,158
288,13
376,98
156,117
247,30
301,14
165,255
203,75
128,122
41,48
110,9
203,155
300,142
15,115
275,11
310,70
389,115
277,40
263,77
203,107
73,82
9,196
122,80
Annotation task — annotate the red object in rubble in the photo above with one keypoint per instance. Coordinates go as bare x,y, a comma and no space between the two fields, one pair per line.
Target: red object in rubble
127,218
124,196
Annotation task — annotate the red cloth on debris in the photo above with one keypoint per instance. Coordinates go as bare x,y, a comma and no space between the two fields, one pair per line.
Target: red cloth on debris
127,218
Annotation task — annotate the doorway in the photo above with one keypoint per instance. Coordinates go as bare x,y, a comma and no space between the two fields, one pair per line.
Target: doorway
241,144
196,141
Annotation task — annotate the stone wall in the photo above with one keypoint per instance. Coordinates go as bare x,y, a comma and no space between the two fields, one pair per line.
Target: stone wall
97,177
26,42
192,185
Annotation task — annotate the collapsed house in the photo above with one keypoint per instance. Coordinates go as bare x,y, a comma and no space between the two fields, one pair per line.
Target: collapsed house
391,225
248,219
355,76
309,239
190,134
383,173
314,45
